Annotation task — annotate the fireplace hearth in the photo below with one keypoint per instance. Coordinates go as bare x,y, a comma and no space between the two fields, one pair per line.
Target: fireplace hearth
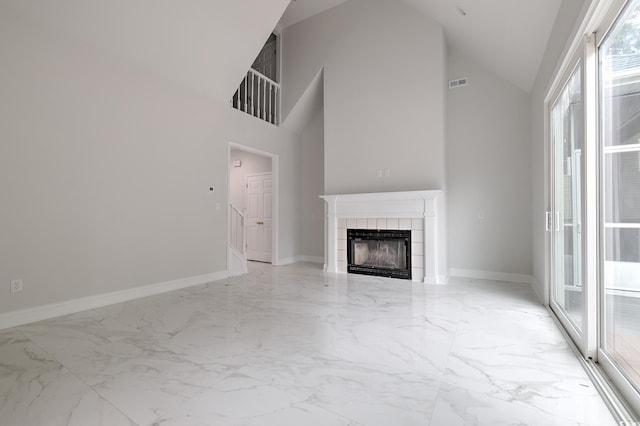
385,253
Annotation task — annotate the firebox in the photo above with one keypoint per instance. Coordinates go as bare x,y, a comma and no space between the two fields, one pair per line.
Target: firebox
381,252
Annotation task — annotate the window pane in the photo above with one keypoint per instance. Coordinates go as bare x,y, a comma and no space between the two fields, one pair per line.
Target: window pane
620,101
622,180
568,124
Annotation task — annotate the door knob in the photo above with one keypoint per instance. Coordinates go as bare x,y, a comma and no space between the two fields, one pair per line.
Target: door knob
259,223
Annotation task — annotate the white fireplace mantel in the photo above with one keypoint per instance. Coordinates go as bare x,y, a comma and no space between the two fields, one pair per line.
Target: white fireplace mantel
424,206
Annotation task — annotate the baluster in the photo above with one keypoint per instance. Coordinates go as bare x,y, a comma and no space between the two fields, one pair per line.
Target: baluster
262,82
259,104
246,92
264,100
253,93
256,101
276,116
273,104
270,101
267,102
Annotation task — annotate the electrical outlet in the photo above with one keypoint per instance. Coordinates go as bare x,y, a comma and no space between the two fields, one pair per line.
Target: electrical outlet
16,286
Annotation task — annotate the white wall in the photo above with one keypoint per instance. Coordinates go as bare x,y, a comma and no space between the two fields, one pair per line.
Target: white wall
311,187
570,12
383,93
105,171
250,164
488,171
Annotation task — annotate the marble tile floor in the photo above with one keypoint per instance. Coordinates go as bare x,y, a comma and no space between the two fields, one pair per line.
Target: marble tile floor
296,346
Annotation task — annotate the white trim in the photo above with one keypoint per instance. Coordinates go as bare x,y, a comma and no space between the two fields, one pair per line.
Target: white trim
302,258
622,225
590,200
617,149
39,313
492,276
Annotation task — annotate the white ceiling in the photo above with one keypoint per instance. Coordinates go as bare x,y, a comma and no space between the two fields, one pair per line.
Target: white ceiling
508,37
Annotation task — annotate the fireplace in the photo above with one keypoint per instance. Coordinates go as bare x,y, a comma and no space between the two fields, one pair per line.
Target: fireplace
422,212
385,253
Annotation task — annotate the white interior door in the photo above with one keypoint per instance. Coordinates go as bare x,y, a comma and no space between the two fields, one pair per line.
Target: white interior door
259,216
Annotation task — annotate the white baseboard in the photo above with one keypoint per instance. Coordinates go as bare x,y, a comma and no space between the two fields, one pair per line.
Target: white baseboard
311,259
443,279
438,280
493,276
39,313
296,259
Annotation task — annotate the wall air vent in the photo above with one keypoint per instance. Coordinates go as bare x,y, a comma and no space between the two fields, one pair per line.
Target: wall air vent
458,82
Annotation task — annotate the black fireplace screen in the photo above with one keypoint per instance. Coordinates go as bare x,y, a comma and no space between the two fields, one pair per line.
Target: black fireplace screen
385,253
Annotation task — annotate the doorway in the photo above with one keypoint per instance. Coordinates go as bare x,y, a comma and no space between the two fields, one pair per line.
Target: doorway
253,191
259,220
593,221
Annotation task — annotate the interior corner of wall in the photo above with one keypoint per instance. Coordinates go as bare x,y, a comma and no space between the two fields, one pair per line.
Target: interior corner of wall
302,110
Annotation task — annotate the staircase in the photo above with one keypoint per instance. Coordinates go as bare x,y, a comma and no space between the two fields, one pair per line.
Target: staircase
259,93
259,96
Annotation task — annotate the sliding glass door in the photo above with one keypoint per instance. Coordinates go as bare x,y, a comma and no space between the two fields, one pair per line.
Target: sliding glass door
565,218
593,220
620,195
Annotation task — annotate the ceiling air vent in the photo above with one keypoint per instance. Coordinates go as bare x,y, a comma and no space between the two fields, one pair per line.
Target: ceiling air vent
458,82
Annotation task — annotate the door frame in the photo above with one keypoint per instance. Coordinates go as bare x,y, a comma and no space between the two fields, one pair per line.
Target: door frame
584,55
275,171
583,337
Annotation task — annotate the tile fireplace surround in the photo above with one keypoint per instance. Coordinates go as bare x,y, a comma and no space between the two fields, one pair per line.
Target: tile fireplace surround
421,212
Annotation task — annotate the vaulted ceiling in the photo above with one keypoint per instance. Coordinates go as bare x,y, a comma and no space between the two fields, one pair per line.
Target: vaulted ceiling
508,37
208,45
